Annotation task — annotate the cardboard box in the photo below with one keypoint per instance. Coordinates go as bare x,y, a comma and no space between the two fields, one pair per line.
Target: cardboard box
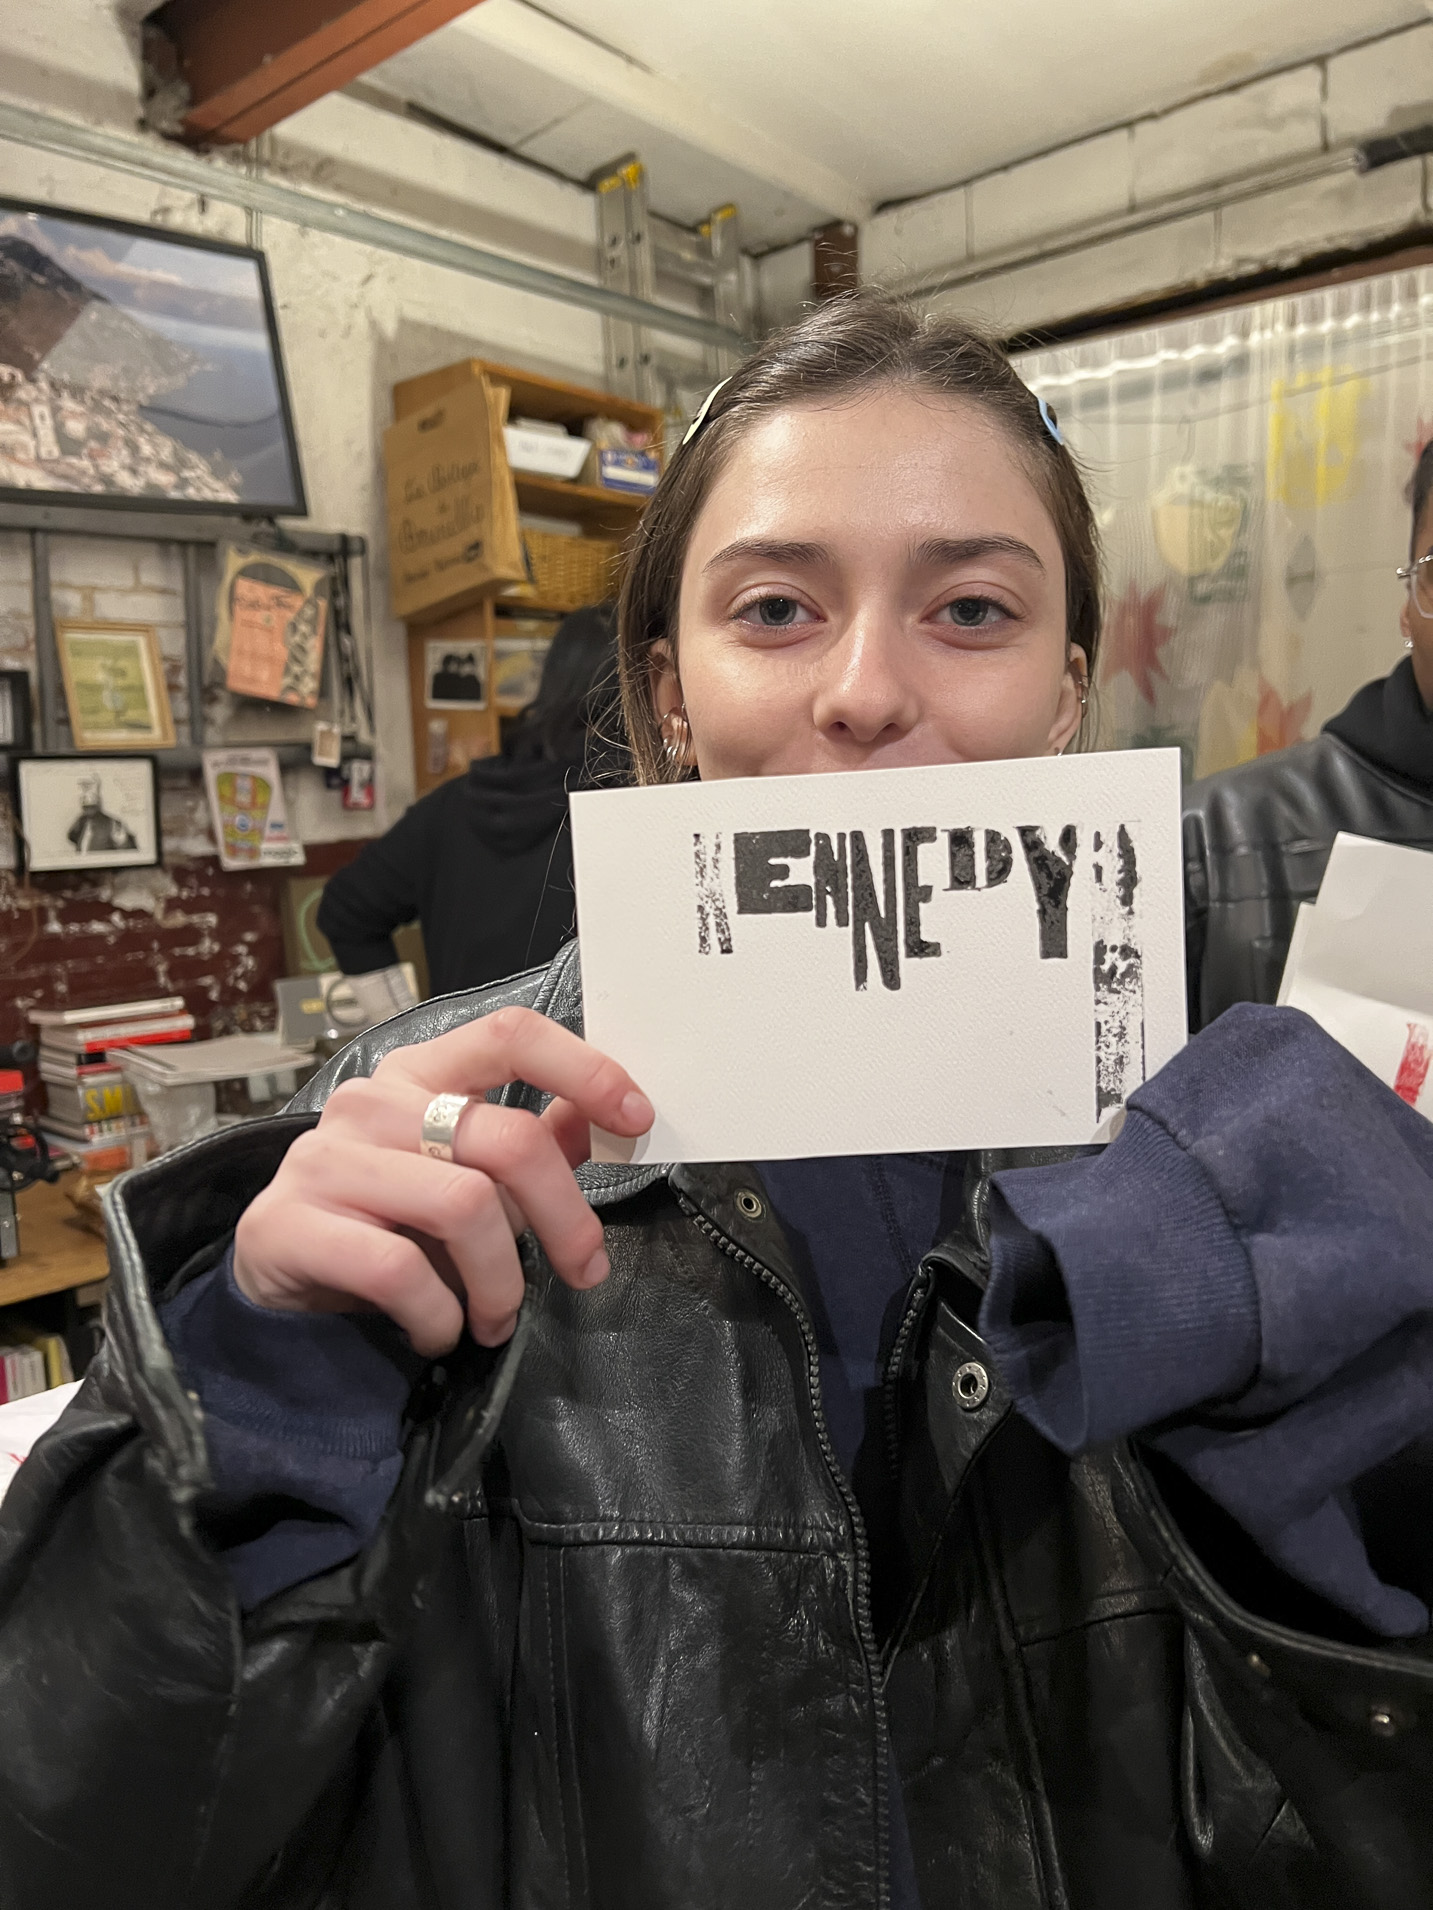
452,509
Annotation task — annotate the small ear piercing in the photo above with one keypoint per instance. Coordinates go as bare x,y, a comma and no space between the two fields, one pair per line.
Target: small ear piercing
676,734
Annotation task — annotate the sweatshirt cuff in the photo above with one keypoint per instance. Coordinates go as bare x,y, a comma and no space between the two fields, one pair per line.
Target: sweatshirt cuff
332,1383
1119,1292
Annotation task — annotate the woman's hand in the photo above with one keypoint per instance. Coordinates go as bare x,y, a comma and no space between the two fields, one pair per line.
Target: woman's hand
357,1217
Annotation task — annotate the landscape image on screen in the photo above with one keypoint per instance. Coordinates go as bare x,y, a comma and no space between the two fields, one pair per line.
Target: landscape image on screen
132,367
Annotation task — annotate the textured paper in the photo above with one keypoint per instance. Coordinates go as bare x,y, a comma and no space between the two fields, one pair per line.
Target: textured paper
1361,961
1007,967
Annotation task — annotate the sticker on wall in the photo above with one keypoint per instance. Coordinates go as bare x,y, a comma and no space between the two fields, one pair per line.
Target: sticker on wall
1314,436
1201,523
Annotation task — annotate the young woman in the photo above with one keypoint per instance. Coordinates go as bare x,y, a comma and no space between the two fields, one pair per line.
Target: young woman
453,1523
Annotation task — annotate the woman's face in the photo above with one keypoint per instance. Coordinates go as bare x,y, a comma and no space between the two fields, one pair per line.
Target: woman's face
868,585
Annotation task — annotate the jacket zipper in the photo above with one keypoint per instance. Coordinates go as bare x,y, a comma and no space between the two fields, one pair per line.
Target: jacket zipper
865,1630
890,1414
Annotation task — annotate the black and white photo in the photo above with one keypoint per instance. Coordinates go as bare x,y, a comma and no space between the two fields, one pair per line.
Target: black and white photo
455,675
87,812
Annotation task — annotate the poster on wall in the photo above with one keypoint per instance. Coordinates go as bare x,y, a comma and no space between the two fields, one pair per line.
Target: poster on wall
270,621
973,955
248,811
114,685
87,812
139,367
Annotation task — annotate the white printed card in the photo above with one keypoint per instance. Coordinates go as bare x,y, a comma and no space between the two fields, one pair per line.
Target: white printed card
974,955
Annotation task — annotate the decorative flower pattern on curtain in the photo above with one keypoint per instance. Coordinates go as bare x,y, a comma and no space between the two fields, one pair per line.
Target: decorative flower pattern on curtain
1248,469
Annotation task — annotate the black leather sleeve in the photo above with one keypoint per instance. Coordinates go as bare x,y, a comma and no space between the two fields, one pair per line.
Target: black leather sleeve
157,1751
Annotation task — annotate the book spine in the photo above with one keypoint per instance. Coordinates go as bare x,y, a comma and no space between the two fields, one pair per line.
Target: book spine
107,1012
109,1130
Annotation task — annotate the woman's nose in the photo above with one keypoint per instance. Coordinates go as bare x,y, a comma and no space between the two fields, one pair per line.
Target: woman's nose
863,692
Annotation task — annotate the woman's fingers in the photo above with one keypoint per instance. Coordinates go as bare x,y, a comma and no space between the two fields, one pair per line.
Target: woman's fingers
305,1259
523,1154
459,1208
356,1213
517,1044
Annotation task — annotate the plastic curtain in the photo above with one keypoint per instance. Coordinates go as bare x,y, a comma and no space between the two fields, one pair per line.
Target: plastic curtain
1249,470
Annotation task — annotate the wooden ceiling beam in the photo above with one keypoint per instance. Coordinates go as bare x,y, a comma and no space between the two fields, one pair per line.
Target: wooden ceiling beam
223,71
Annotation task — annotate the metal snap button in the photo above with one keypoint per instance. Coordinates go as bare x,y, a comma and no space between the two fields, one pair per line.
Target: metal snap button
1257,1666
971,1386
749,1204
1382,1722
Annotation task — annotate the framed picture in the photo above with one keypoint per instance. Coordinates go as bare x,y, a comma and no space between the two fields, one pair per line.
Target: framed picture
114,685
87,812
270,620
455,675
16,732
139,366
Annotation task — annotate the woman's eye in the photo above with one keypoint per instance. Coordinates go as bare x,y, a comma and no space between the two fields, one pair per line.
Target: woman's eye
976,613
774,613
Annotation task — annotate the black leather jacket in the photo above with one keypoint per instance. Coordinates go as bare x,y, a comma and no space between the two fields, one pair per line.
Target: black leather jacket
620,1640
1257,838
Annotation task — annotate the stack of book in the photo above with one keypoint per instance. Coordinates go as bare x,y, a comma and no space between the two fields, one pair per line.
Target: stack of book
31,1362
94,1115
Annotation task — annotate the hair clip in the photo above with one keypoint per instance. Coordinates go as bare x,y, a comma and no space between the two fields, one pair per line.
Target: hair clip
1047,418
702,409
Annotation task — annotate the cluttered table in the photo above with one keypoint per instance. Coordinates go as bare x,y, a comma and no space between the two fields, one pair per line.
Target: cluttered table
56,1249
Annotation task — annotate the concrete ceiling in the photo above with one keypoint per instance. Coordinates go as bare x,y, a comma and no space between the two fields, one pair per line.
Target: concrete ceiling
807,110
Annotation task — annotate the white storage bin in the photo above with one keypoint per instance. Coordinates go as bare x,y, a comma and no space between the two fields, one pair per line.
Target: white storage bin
544,452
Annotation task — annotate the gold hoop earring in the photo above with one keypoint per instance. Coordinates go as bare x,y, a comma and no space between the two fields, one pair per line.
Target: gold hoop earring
676,733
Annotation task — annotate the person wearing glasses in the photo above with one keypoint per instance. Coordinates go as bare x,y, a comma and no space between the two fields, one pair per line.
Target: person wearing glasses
1257,838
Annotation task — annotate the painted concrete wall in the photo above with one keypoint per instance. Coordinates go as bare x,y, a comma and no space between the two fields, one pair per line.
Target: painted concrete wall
1225,146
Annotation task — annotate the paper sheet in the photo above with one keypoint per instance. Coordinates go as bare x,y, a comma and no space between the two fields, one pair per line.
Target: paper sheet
1361,961
22,1422
988,954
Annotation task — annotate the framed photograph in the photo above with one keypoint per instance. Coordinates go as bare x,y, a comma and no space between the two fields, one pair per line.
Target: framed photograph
270,620
139,367
114,685
16,730
455,675
87,812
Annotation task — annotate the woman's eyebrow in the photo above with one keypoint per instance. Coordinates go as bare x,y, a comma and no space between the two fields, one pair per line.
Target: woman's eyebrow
936,551
769,551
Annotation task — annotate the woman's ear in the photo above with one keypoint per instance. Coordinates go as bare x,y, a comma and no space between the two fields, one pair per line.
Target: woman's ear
666,685
1074,697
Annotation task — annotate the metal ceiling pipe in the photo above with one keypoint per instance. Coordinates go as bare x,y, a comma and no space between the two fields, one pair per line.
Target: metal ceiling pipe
172,166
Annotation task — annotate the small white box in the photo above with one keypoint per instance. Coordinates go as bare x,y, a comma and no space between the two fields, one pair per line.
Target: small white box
544,452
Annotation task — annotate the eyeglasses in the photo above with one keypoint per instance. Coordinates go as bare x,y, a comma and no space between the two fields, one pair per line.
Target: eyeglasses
1419,579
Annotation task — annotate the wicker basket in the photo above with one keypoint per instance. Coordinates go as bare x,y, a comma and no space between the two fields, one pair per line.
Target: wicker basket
568,572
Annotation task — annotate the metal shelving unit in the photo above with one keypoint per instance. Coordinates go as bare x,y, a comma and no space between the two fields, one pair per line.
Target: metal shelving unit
192,533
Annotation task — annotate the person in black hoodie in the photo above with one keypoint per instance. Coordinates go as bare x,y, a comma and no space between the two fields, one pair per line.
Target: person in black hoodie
484,861
1257,838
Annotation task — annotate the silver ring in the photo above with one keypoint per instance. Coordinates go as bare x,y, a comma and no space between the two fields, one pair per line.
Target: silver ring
440,1124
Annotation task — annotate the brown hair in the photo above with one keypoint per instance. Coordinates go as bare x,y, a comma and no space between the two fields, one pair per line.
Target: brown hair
846,346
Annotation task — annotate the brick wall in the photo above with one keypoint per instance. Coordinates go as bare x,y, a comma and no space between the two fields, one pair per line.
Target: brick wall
186,927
